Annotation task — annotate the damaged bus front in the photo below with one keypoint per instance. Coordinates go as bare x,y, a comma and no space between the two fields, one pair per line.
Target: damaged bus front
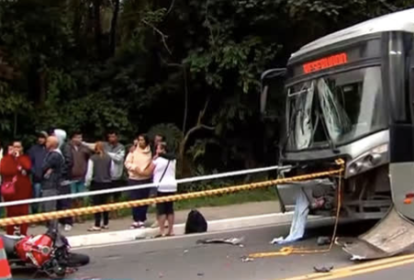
350,95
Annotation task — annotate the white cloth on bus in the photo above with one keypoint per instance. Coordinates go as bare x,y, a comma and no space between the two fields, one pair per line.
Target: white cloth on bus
297,228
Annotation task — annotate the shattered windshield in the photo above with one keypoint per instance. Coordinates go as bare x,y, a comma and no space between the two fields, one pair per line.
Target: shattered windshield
336,108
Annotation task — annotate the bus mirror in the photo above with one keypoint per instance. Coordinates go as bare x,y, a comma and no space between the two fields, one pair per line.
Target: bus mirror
271,89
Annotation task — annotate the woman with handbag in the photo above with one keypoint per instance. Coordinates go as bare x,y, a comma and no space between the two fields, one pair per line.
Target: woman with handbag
16,185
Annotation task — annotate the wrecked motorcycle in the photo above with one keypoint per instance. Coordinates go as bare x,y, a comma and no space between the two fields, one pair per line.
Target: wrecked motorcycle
48,253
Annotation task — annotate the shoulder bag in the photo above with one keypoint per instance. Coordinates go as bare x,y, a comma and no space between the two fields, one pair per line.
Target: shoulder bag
8,189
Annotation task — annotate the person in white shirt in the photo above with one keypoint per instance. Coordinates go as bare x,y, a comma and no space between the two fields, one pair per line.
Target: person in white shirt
163,171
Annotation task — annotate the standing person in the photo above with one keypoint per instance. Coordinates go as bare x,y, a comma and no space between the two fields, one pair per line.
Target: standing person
99,177
15,167
117,153
158,138
80,155
65,185
135,162
37,154
163,171
53,176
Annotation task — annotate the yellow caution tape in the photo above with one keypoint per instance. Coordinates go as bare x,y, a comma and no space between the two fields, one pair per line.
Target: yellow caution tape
136,203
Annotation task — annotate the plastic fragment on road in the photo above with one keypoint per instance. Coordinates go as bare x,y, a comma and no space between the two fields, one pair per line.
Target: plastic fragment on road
323,269
200,274
231,241
247,259
323,240
297,228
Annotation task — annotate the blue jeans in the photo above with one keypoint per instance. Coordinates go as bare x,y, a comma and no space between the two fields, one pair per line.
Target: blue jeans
37,192
139,214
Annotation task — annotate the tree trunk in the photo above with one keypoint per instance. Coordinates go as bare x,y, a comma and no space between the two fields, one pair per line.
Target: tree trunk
114,22
198,126
184,69
42,87
97,26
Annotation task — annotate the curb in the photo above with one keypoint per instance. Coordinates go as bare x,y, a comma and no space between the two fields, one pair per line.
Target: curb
213,226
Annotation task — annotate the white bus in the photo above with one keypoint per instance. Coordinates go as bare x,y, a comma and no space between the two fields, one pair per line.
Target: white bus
350,95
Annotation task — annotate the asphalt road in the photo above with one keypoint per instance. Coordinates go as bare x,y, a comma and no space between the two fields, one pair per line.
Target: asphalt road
405,272
179,258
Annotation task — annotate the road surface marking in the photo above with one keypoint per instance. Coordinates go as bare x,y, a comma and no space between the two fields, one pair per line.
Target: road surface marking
358,269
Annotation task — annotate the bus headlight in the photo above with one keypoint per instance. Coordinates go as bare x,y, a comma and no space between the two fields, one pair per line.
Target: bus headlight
368,160
372,159
355,168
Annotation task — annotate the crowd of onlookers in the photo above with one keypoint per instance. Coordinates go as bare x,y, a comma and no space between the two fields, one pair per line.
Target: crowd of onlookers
56,166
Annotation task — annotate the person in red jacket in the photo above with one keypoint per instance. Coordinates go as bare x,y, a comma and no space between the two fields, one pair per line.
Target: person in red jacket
17,165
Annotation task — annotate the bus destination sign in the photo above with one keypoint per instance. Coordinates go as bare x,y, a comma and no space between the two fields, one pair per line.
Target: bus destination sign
325,63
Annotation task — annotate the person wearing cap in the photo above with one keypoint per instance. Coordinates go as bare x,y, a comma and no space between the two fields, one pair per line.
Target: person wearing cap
37,154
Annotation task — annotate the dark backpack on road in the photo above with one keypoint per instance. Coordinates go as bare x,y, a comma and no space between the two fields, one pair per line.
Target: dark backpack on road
196,223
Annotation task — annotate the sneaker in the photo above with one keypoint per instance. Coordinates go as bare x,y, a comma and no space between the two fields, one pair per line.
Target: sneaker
68,227
141,225
137,225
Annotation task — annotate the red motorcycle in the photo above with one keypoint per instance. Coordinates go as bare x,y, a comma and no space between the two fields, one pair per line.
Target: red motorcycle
49,253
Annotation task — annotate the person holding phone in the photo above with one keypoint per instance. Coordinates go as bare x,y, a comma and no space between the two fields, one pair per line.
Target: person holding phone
163,171
14,169
139,159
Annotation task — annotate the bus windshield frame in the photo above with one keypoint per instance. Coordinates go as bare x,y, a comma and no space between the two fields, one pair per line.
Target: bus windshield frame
335,109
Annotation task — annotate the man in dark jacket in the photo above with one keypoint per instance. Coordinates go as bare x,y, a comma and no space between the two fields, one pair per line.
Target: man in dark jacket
37,154
65,186
52,171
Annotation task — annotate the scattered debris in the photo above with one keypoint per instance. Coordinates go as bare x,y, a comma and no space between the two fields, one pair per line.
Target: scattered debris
186,251
323,269
200,274
323,240
160,275
247,259
231,241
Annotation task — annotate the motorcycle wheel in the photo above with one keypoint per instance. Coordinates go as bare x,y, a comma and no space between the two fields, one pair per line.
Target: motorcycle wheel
76,260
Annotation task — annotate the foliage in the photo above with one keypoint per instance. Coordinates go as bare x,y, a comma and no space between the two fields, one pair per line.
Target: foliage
151,65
